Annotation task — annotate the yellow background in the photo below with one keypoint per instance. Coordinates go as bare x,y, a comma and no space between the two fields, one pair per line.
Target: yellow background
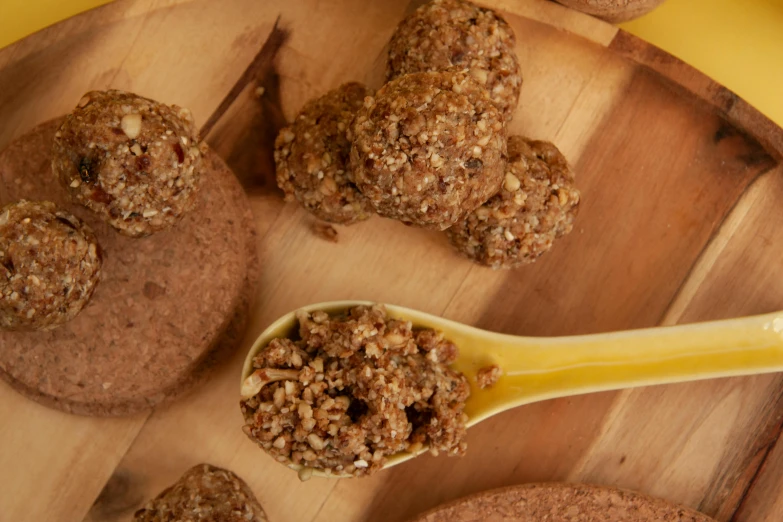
739,43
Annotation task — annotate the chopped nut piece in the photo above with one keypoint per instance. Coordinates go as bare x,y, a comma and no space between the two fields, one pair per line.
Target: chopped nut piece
375,398
260,378
512,182
325,231
488,376
305,474
131,125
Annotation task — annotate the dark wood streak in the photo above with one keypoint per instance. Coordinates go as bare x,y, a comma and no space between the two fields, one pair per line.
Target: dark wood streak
244,127
258,68
768,441
119,497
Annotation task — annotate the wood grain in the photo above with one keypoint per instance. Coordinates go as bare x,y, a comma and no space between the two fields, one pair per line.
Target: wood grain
763,501
680,180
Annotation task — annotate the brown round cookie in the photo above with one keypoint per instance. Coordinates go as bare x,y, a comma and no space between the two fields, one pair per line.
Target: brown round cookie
50,264
561,502
312,153
445,34
204,494
536,204
428,148
134,161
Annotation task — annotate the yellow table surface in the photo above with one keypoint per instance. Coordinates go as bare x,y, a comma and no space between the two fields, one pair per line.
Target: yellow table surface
739,43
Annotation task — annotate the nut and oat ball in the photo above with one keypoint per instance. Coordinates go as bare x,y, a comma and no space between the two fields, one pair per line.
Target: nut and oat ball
428,148
50,264
204,494
352,389
134,161
311,156
445,34
536,205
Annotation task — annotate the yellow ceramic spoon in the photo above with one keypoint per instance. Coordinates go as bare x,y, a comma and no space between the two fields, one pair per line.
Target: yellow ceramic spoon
537,369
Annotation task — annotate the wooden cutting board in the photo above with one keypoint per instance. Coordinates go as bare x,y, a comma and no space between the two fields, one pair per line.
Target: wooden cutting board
681,183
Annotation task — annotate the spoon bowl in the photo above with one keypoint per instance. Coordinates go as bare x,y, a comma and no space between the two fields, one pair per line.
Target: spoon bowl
541,368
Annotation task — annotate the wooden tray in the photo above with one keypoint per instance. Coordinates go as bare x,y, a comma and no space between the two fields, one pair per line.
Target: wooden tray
680,218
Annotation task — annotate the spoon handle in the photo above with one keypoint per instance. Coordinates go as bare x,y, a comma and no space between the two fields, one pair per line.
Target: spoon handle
538,369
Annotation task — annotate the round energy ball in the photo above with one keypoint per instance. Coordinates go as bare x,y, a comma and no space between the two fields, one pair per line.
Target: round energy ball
311,156
445,34
428,148
134,161
536,204
50,263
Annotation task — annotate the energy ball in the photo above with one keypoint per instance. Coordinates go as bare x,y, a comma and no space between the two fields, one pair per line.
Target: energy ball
204,494
312,154
536,205
134,161
429,148
50,263
445,34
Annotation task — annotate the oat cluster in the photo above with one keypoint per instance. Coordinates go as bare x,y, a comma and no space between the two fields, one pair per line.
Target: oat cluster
204,494
50,264
349,390
454,34
488,376
536,204
134,161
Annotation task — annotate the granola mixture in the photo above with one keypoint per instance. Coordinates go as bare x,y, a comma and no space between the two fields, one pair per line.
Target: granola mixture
445,34
311,156
134,161
488,376
325,231
204,494
536,204
352,389
429,148
50,264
